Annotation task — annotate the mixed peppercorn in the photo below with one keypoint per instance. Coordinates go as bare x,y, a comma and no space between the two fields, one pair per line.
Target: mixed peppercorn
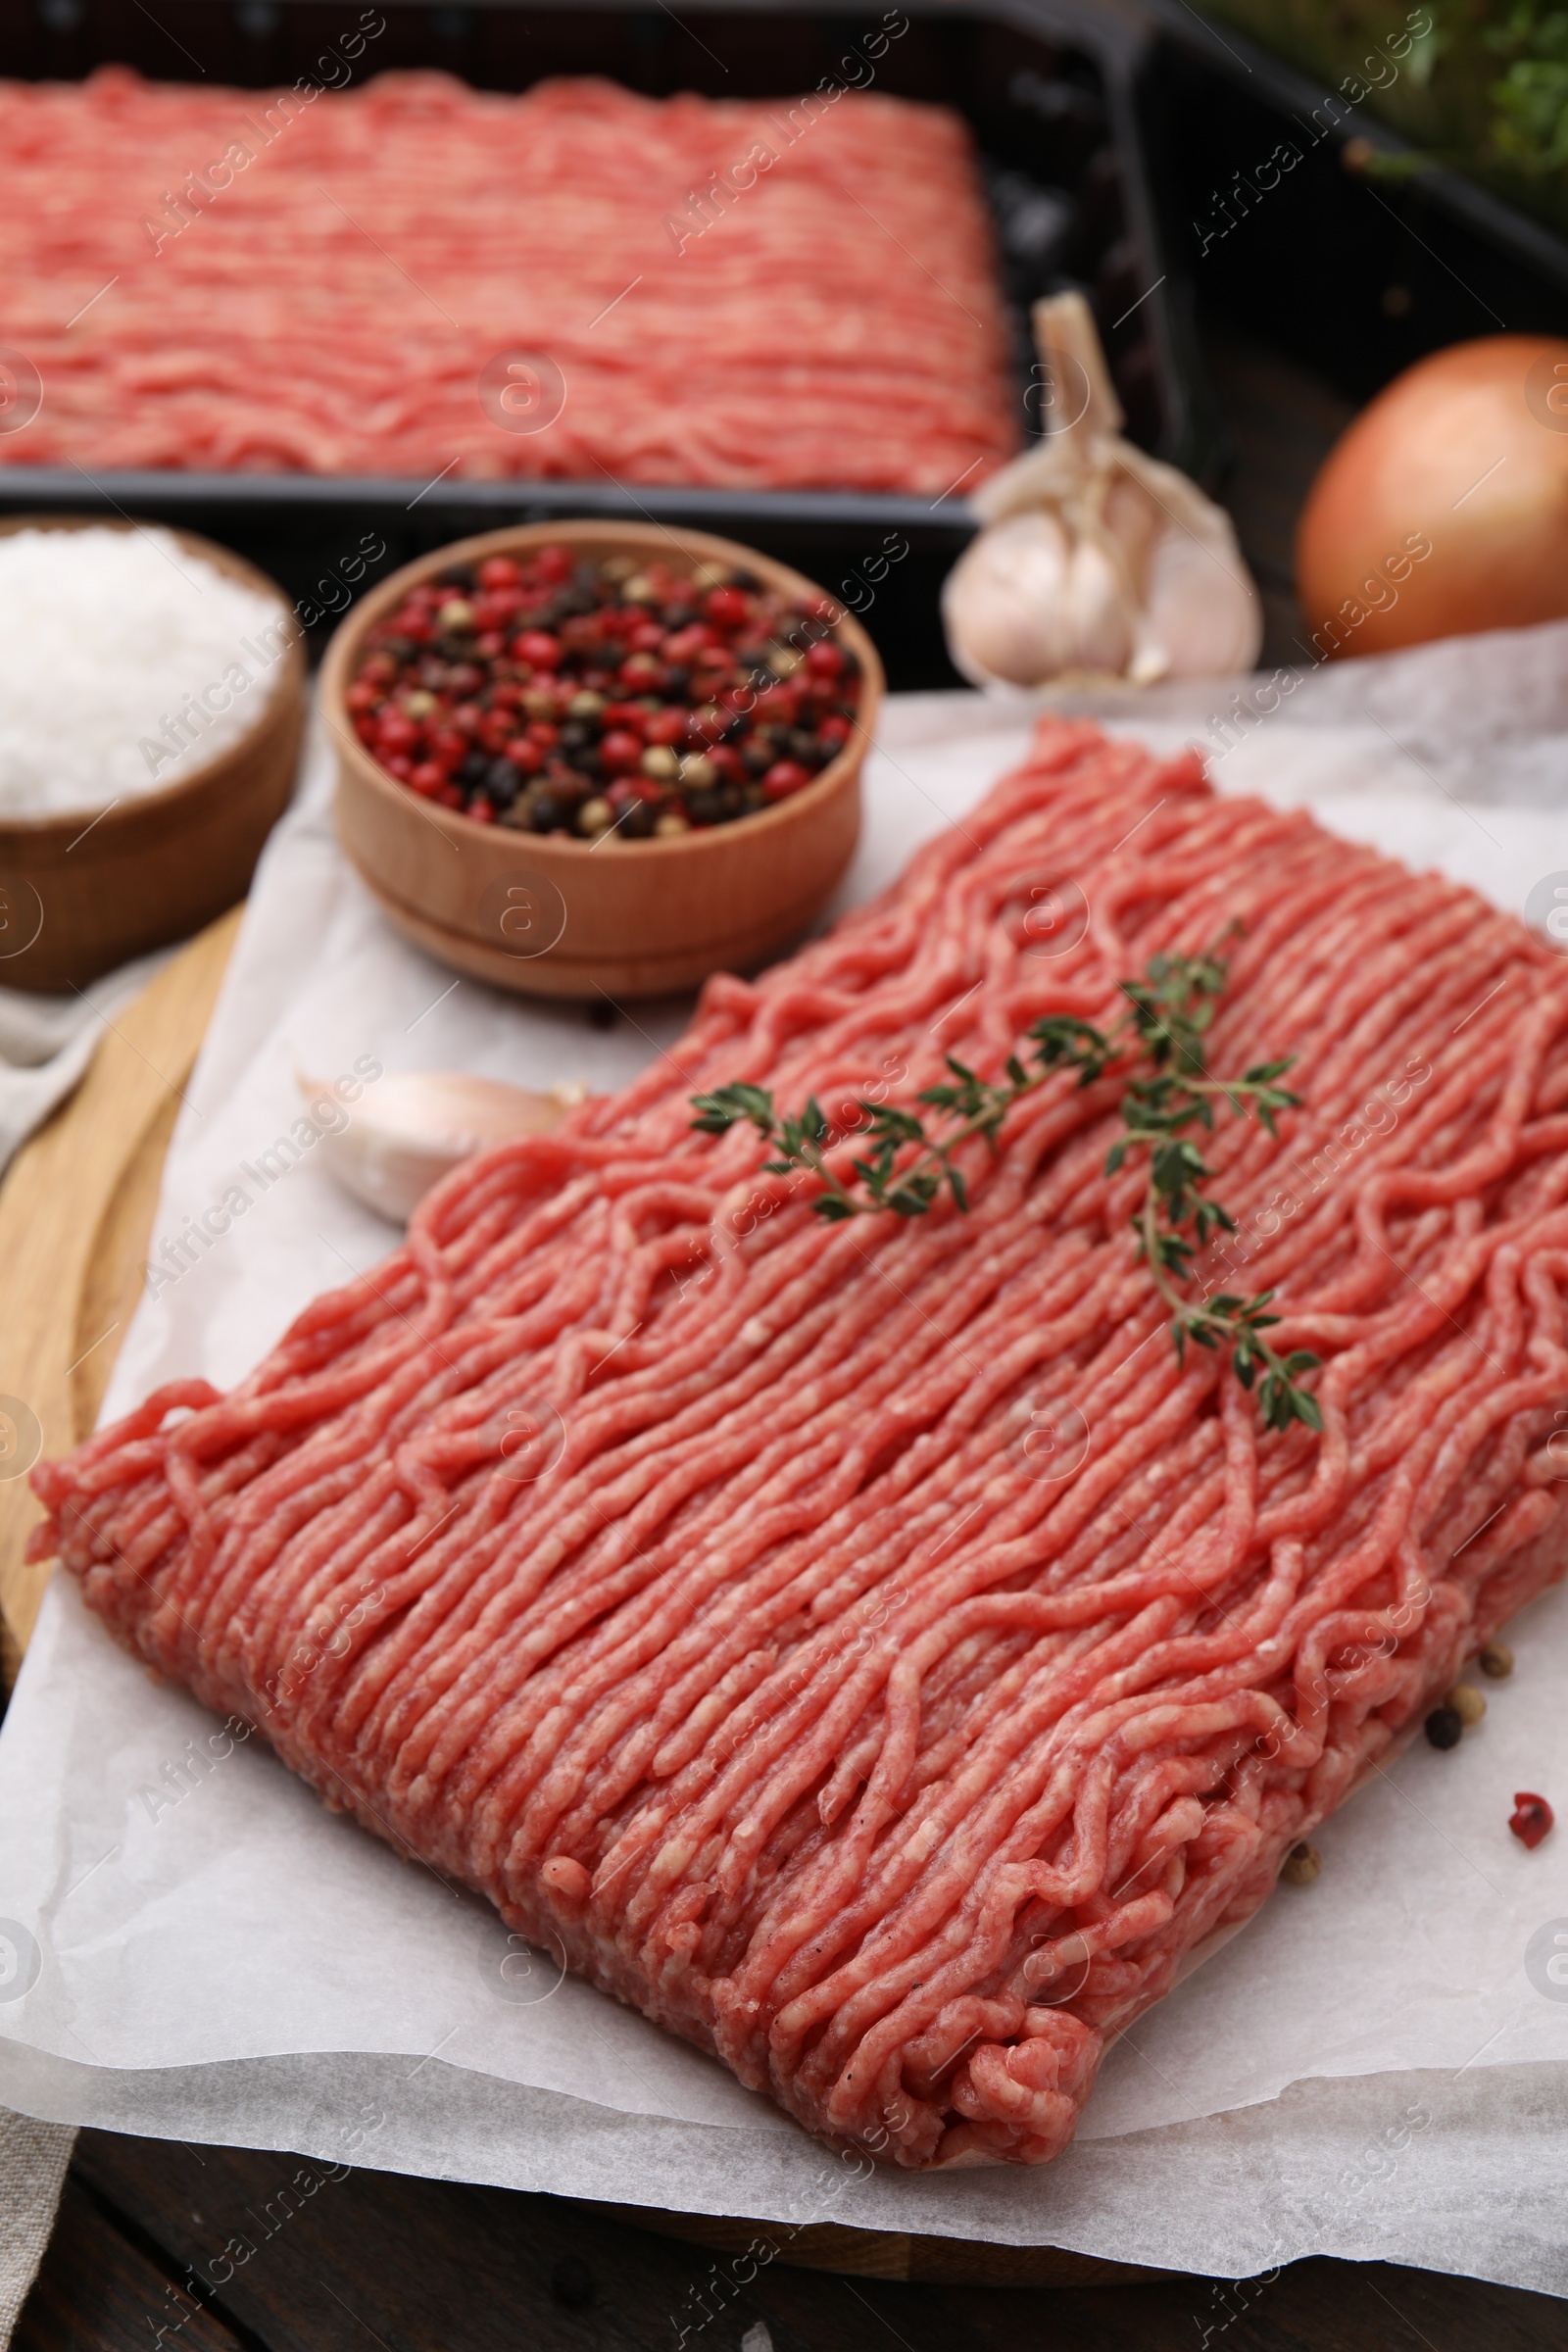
559,695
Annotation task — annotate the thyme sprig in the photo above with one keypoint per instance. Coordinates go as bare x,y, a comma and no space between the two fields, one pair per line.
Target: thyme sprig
1160,1043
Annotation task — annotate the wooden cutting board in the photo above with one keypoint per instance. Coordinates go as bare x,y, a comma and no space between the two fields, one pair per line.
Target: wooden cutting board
76,1211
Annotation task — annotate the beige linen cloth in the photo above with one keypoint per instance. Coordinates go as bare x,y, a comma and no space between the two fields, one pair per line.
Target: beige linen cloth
32,2169
46,1043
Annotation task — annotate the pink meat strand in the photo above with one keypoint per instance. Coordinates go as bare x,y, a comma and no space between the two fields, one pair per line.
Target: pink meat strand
887,1665
831,316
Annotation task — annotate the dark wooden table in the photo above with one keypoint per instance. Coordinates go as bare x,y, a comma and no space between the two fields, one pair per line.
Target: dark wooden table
342,2264
422,2265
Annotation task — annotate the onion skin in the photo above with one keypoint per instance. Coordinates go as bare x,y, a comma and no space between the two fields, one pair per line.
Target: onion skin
1413,468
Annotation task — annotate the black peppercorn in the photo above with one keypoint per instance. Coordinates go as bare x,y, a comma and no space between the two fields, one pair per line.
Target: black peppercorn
1444,1727
503,781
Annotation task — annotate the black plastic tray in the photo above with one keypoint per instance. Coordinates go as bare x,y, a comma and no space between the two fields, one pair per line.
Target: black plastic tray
1050,87
1354,274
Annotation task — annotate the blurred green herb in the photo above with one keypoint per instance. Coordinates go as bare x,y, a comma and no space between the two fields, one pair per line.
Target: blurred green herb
1160,1043
1530,119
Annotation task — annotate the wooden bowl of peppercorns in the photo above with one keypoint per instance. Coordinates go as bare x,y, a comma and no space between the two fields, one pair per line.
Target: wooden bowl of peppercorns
600,758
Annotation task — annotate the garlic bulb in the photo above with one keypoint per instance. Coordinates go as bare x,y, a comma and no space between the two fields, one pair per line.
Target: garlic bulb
1096,561
413,1127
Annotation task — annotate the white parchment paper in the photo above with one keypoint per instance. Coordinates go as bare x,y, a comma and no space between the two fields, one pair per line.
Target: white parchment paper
191,1946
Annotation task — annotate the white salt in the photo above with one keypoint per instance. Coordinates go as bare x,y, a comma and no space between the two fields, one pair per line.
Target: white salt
124,662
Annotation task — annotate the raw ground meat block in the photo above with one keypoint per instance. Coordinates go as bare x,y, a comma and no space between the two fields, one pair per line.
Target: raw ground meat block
790,293
866,1646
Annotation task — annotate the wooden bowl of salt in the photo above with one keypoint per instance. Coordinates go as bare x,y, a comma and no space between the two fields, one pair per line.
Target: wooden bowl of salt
84,891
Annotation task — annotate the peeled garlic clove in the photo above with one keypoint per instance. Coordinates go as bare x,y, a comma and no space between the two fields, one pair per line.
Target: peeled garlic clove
1005,602
411,1128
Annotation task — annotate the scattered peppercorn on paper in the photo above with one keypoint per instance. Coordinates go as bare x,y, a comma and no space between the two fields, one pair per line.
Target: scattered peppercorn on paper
191,1946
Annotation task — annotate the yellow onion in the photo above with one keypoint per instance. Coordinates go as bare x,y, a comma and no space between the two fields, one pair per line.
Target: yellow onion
1443,509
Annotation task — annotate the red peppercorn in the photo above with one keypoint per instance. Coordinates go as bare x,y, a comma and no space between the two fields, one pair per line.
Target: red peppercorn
448,745
468,716
834,731
776,705
543,733
480,810
1531,1818
728,761
539,647
682,646
394,732
646,638
429,777
784,777
489,642
399,764
496,728
638,670
365,727
726,607
667,728
364,695
552,563
500,571
529,757
824,661
450,796
620,750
